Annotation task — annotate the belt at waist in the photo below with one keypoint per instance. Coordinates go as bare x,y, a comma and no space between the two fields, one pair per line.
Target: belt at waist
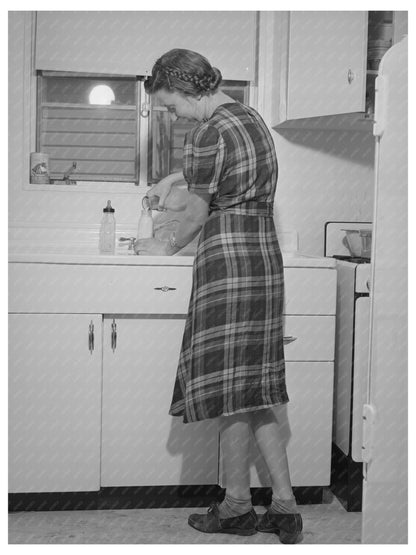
250,208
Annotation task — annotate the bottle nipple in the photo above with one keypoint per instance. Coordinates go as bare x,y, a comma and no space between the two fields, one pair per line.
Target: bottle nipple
108,208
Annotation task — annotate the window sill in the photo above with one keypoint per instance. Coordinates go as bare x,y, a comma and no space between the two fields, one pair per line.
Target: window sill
91,187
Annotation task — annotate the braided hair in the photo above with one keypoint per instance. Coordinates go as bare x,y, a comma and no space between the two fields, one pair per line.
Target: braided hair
183,71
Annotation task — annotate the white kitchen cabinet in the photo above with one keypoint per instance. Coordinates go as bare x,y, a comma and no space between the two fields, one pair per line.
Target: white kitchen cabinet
54,402
321,65
321,68
63,439
142,445
327,63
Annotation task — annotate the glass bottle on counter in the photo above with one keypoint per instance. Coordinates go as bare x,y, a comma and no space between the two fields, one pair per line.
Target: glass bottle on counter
145,228
108,230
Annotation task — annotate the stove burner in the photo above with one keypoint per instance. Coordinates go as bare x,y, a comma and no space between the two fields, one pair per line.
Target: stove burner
353,259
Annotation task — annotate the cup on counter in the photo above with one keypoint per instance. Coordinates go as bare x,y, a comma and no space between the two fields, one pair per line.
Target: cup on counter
39,168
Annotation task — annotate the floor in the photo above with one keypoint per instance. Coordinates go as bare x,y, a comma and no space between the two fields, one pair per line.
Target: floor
328,523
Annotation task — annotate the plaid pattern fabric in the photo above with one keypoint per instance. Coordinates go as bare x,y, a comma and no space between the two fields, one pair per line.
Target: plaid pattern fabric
232,356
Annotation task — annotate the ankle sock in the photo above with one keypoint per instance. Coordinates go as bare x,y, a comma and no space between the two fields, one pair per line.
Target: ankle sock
232,506
283,505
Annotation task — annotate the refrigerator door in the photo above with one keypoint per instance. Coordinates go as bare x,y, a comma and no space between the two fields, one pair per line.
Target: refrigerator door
359,392
385,484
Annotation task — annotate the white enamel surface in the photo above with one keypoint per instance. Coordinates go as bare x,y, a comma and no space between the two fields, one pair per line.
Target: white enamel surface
359,394
141,443
68,256
54,403
386,483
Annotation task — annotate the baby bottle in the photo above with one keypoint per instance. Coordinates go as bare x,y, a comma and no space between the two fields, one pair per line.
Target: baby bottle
145,228
108,230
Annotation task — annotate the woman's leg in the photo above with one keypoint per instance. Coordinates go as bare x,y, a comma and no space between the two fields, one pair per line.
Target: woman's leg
282,517
267,431
235,515
235,442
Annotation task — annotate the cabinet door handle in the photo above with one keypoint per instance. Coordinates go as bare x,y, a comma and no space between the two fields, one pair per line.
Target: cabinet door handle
288,339
165,288
350,76
113,335
91,337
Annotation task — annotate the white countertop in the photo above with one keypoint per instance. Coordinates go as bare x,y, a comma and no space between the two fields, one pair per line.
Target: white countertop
296,260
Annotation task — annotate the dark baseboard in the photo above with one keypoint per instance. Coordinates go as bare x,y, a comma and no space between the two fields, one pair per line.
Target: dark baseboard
145,497
346,480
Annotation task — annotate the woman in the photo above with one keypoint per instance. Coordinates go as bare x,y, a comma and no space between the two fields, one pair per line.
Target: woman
231,364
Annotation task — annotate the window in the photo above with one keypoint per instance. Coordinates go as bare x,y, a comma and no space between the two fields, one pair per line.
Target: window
89,121
90,127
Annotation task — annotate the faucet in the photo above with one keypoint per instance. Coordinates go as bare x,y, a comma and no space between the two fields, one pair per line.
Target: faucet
131,240
66,178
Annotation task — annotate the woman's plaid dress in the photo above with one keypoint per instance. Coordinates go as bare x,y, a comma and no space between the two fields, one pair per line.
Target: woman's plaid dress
232,351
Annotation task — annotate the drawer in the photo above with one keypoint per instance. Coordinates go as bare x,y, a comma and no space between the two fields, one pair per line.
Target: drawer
60,288
310,290
309,338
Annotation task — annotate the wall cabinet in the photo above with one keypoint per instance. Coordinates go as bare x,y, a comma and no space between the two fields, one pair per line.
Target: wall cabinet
142,444
54,402
321,68
327,63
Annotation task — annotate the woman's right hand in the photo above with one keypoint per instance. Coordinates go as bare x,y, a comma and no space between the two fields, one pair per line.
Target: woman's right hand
163,188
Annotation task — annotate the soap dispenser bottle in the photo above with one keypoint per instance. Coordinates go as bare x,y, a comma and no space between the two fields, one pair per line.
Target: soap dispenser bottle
145,228
108,230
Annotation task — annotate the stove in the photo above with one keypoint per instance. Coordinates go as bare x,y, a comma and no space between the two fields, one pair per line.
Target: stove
351,363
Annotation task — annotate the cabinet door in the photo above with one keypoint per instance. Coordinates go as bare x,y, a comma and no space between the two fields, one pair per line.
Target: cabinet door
142,444
307,426
327,63
54,402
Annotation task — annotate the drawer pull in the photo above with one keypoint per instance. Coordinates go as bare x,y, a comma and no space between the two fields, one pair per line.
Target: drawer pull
165,288
288,339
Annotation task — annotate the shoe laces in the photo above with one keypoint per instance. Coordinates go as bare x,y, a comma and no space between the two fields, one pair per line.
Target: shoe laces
212,507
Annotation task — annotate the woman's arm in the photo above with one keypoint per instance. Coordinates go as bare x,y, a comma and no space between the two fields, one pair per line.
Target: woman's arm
196,213
162,189
194,217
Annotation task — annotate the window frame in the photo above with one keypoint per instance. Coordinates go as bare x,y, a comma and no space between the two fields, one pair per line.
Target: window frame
140,139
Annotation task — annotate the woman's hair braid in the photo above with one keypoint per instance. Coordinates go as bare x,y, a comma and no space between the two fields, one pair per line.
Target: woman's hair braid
184,71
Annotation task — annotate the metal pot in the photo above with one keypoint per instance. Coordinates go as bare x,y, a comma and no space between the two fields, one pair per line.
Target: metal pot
358,242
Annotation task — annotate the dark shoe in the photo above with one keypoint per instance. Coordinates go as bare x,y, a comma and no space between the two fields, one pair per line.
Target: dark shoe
287,526
211,523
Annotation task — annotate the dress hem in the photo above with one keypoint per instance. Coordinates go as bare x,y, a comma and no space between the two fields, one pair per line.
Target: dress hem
238,411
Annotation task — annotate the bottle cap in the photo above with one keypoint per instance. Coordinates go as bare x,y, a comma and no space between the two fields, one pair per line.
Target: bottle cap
108,208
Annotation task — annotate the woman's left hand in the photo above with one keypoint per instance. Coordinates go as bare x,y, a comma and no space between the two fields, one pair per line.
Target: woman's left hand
151,247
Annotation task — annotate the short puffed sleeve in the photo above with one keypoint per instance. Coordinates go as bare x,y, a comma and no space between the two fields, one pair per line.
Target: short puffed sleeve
203,159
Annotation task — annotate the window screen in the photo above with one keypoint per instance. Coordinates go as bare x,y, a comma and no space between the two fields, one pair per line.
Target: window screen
92,121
